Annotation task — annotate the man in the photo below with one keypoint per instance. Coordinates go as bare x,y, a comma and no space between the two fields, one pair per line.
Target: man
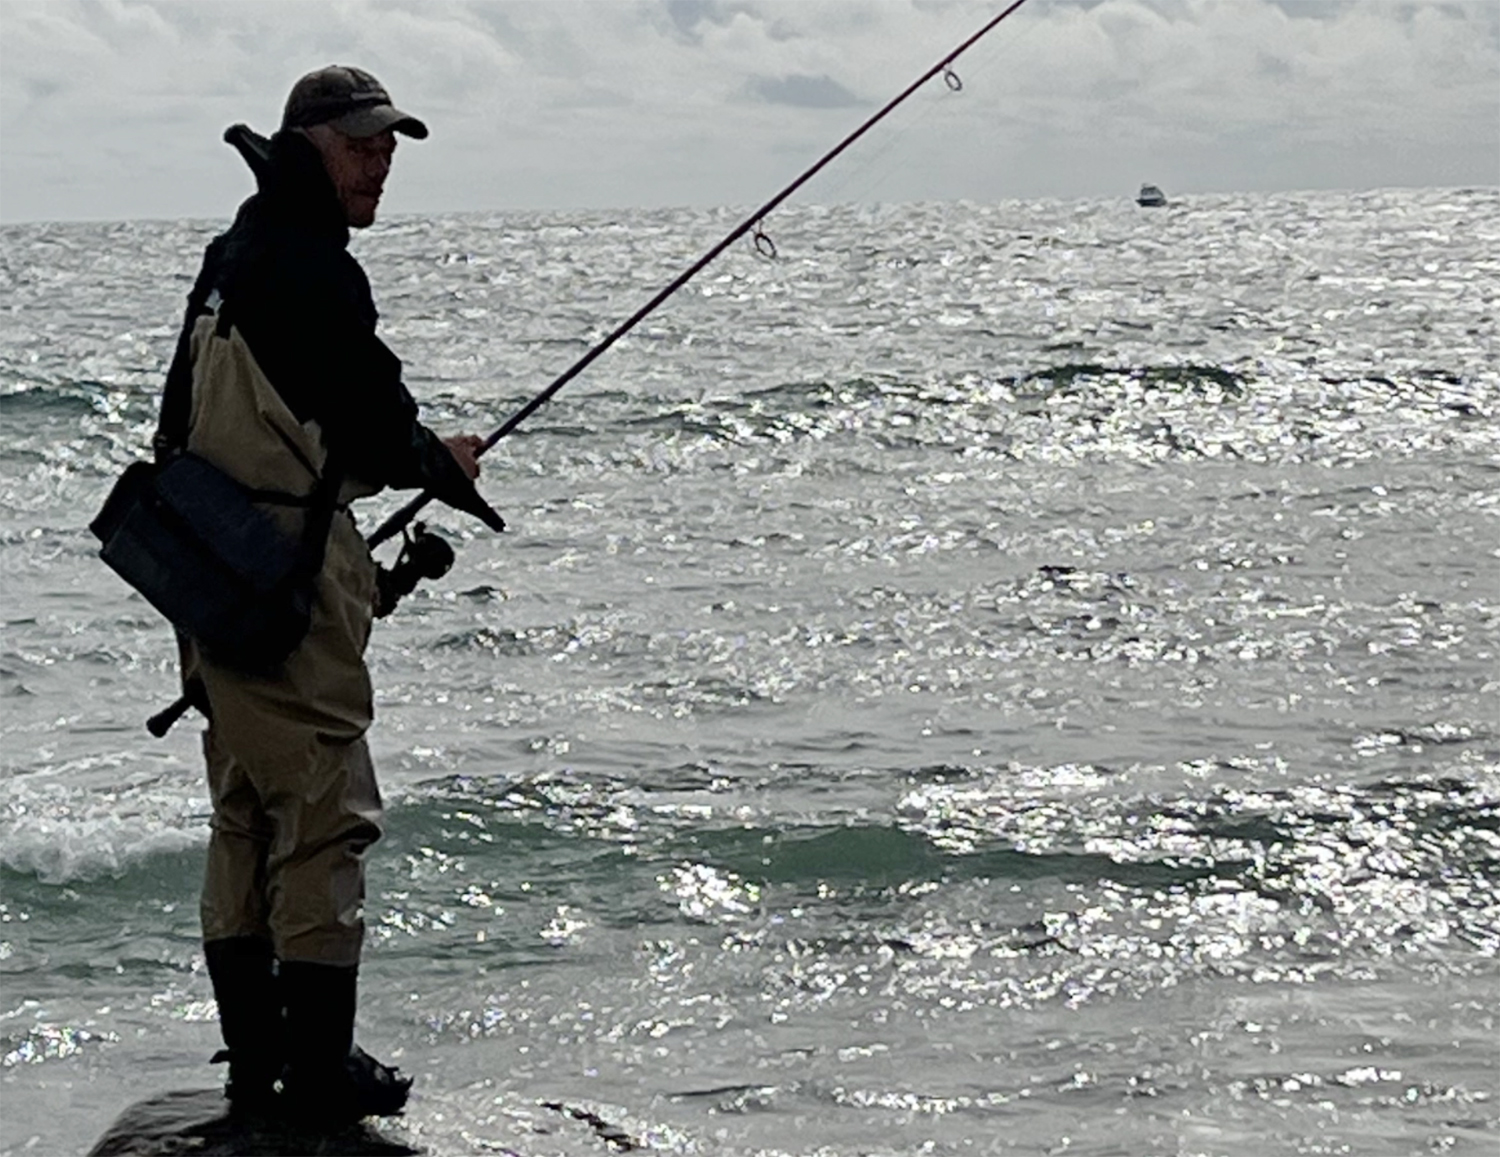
280,382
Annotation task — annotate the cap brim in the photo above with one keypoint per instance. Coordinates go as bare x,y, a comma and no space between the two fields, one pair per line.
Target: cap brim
366,122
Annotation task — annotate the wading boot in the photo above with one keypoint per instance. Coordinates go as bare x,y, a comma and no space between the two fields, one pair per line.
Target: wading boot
330,1081
243,972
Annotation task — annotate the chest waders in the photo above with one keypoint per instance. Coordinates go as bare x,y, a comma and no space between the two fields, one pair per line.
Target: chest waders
295,803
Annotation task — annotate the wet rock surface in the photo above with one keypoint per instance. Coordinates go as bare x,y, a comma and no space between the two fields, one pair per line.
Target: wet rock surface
197,1121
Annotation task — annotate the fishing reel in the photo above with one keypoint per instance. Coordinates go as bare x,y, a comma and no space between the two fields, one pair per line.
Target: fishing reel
424,555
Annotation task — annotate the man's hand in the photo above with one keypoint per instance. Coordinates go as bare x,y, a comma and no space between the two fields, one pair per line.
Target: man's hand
465,450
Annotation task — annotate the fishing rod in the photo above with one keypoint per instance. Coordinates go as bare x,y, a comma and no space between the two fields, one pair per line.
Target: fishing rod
751,224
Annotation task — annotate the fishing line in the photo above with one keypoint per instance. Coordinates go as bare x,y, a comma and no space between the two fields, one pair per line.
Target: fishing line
763,242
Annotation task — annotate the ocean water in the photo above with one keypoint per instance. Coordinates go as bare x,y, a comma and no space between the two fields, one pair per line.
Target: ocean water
1008,678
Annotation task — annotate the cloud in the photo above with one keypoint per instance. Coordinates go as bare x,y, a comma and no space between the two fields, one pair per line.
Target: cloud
803,91
113,108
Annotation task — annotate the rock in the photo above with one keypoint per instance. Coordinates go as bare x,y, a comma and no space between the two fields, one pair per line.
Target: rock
619,1140
197,1122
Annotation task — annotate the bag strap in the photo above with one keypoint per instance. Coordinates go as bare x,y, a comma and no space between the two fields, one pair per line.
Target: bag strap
321,505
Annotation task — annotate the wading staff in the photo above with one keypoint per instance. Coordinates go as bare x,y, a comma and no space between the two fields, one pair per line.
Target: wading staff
398,521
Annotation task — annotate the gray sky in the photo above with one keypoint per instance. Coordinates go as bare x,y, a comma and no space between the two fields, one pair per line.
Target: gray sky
113,108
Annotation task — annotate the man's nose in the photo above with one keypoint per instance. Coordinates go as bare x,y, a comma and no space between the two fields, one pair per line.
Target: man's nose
379,166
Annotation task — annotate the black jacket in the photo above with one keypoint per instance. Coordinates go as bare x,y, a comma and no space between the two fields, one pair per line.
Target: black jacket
303,305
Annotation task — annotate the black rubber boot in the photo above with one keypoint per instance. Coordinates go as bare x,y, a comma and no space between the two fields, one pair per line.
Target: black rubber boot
243,972
330,1081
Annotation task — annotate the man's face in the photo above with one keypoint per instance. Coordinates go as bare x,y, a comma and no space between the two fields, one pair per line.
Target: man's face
358,167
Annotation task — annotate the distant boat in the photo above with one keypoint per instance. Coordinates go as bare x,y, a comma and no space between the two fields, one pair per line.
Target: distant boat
1151,197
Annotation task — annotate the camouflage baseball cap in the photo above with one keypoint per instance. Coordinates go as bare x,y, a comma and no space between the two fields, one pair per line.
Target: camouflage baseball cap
348,99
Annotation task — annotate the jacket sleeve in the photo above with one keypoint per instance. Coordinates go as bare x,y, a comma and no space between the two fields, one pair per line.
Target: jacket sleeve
313,332
371,421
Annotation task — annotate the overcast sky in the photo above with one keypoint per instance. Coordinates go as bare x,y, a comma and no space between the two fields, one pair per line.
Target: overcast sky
114,108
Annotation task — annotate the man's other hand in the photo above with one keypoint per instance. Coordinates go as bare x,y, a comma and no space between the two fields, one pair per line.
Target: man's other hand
465,449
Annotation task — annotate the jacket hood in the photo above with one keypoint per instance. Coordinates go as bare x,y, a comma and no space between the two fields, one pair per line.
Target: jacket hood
293,185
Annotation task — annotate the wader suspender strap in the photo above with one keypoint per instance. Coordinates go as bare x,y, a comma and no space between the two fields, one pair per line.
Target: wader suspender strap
177,395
